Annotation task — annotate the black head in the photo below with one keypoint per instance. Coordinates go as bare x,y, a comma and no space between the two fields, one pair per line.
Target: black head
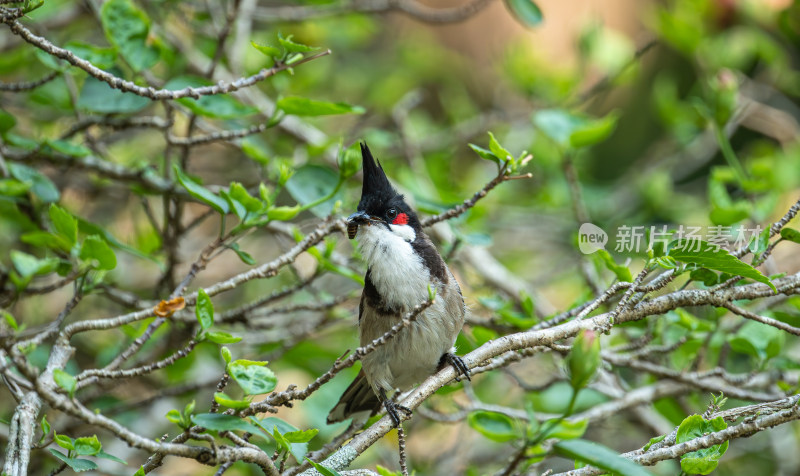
379,200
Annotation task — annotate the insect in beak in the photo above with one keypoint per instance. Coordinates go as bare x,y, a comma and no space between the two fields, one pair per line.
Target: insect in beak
352,229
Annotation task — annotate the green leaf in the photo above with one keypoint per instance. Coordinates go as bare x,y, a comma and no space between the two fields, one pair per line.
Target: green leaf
719,260
323,470
13,187
87,445
226,355
495,426
599,456
654,440
254,377
28,265
41,186
593,131
65,148
386,472
621,271
705,276
241,195
45,425
725,216
301,106
174,416
128,29
484,154
790,234
104,455
566,429
267,50
204,310
759,340
97,96
201,193
526,11
558,124
498,150
283,213
217,106
7,121
12,323
222,422
311,183
229,402
103,58
243,255
584,359
64,441
294,47
140,472
706,460
95,248
221,338
65,381
303,436
77,464
65,224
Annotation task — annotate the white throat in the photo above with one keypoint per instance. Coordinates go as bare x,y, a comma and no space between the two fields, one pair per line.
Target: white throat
397,271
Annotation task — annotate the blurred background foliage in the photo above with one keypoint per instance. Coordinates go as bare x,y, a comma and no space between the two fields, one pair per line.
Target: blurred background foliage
694,106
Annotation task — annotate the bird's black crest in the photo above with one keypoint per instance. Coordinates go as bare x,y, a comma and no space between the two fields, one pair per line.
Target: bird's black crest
376,188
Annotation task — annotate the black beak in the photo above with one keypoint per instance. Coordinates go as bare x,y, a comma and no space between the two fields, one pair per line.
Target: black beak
359,218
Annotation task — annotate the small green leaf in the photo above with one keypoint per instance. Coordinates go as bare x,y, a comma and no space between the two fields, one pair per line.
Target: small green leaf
87,445
558,124
174,416
283,213
254,377
222,422
241,195
790,234
312,183
204,310
64,441
484,154
705,276
217,106
221,338
719,260
599,456
7,121
41,185
386,472
243,255
65,148
621,271
706,460
654,440
65,381
96,248
226,355
229,402
201,193
584,359
303,436
28,265
45,427
77,464
128,29
12,323
301,106
104,455
323,470
65,224
267,50
495,426
526,12
498,150
140,472
103,58
593,131
13,187
294,47
758,340
566,429
97,96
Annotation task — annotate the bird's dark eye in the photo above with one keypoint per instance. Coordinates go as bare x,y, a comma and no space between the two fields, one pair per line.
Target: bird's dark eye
391,214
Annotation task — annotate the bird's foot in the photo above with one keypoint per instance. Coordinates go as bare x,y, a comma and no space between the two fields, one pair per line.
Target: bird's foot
392,409
457,363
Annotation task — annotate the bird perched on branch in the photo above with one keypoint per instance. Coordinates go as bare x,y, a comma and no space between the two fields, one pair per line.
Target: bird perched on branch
403,265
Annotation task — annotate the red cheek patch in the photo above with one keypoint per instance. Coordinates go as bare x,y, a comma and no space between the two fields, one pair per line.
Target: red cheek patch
401,219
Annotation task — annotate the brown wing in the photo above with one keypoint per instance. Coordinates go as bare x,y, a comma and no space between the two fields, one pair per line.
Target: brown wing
358,397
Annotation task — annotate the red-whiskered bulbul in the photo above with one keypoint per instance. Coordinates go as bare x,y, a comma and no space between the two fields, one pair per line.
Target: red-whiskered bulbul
402,263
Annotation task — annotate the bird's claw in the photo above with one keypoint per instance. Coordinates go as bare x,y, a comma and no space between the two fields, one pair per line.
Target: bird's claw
457,363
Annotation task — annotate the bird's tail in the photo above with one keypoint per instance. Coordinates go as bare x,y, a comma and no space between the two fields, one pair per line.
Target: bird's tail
358,398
